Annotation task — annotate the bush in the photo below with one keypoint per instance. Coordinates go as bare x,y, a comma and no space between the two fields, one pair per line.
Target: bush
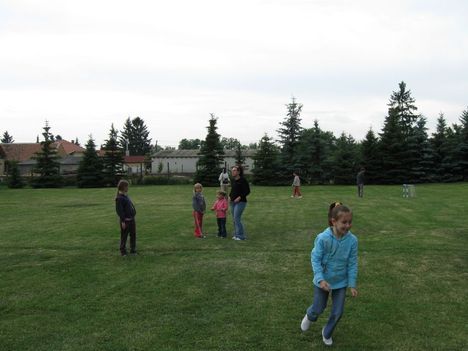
165,180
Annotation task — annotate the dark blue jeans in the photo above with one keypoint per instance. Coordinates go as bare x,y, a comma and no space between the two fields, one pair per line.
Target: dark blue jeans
319,304
221,226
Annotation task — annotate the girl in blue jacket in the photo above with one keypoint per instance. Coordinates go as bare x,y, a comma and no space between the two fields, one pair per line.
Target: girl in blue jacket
334,263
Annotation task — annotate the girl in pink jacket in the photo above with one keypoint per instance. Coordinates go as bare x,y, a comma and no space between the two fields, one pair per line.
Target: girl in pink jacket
221,207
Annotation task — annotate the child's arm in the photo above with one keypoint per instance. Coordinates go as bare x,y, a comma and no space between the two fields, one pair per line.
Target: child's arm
316,260
353,269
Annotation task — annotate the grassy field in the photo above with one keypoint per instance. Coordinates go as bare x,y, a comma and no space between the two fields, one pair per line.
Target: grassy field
64,285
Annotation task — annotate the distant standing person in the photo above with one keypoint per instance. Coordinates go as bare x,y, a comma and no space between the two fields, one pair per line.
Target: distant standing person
126,212
334,261
360,182
238,196
296,186
199,207
221,207
224,180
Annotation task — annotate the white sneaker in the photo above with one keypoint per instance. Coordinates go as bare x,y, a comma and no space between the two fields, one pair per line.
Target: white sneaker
326,341
305,324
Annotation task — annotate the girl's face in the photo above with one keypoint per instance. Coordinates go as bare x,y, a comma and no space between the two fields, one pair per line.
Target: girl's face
220,196
343,223
198,189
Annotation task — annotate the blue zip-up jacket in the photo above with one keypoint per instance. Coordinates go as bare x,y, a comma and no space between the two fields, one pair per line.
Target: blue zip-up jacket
335,260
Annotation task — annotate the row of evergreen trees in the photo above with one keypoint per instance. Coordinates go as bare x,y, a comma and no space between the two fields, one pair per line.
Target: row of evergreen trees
402,152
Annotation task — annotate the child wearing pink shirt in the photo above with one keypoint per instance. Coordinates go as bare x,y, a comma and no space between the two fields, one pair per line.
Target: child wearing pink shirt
221,207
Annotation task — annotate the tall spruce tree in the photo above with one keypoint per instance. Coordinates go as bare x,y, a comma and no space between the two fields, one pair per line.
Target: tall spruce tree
266,161
289,133
47,165
90,169
113,159
211,156
134,136
402,104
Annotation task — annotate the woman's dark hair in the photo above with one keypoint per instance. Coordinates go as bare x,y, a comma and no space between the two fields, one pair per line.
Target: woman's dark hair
239,169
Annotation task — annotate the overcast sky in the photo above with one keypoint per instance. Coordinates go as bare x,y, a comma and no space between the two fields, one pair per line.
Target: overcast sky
83,65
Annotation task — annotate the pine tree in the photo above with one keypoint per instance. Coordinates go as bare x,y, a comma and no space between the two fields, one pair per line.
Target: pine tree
344,165
417,154
266,162
424,153
370,158
7,138
14,180
211,156
450,163
402,105
47,165
90,169
135,137
440,147
289,133
391,150
113,159
314,154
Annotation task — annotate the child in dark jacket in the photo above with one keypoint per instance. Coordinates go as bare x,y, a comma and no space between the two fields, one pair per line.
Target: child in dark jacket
126,212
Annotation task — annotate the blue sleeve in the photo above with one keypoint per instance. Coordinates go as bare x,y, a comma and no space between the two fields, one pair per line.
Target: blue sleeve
316,260
353,265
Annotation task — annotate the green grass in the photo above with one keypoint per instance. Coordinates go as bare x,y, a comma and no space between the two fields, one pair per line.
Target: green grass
64,285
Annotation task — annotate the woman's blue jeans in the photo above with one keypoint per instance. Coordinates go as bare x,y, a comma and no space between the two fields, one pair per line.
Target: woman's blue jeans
237,208
319,304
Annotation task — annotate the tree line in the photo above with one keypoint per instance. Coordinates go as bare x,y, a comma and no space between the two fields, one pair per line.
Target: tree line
402,152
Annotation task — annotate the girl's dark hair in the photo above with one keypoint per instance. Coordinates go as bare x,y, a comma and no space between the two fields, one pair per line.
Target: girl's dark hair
123,184
240,169
335,209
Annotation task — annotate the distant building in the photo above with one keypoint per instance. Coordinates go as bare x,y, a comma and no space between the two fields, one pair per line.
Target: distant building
135,164
70,155
185,161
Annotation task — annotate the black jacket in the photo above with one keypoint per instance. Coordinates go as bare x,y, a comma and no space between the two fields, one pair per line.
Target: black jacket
240,187
124,208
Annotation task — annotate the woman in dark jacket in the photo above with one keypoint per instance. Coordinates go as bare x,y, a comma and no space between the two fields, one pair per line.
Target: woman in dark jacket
239,190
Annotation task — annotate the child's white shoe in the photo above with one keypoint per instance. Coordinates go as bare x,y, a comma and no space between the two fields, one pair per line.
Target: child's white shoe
305,324
326,341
